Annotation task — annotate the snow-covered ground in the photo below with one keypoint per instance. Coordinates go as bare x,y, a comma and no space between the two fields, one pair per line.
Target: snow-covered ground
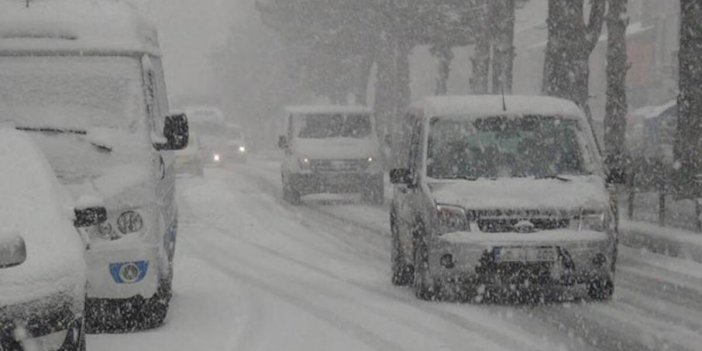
253,273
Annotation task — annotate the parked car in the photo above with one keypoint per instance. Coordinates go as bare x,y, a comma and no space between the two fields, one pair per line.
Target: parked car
494,200
331,149
236,144
90,90
42,265
190,160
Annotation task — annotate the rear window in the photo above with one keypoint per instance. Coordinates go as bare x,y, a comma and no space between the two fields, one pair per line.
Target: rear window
322,126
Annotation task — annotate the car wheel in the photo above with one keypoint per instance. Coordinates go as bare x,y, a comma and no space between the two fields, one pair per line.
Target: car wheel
402,273
600,289
424,288
290,194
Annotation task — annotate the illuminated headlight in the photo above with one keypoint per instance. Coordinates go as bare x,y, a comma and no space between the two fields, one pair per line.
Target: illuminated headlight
304,163
242,149
371,159
452,219
130,222
595,221
216,158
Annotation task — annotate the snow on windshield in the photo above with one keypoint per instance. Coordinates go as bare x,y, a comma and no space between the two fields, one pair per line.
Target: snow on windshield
71,92
502,147
323,126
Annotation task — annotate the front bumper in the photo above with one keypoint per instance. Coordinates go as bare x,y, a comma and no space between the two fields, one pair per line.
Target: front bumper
190,164
578,257
122,271
337,182
51,324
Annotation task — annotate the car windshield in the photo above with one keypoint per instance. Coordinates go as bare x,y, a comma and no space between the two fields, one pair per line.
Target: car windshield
491,147
323,126
72,92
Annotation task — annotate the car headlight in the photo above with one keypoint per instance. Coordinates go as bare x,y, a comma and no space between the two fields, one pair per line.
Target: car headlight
242,149
130,222
595,221
106,230
452,219
304,163
216,158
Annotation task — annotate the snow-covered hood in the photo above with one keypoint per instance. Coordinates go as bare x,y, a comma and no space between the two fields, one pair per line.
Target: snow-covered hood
336,148
584,192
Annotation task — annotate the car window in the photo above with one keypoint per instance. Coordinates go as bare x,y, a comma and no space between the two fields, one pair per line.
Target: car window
531,146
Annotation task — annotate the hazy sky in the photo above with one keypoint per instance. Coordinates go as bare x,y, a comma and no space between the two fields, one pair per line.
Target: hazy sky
189,30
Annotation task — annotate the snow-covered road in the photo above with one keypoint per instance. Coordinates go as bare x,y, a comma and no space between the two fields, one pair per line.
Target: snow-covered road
253,273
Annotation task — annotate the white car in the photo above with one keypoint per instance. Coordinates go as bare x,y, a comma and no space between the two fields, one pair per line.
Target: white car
42,265
84,79
190,160
331,149
500,197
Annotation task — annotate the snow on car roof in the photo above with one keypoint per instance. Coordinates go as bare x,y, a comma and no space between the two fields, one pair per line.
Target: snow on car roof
327,109
204,114
492,105
75,25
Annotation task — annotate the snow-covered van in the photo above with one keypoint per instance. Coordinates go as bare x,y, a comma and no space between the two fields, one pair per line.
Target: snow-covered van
84,78
211,127
501,196
330,149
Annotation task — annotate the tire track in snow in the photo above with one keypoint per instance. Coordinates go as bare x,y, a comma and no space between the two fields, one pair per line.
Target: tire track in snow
592,321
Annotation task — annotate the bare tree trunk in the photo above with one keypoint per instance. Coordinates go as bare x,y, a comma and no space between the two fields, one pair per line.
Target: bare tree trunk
365,68
385,92
688,147
481,53
570,43
617,66
503,46
445,55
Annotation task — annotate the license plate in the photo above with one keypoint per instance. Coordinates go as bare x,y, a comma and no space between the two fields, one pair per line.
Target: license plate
525,254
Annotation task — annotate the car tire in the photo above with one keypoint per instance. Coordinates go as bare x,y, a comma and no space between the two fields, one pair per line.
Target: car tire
424,288
402,273
290,194
600,289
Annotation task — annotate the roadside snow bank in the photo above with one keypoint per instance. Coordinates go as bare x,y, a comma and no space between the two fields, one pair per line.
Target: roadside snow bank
667,241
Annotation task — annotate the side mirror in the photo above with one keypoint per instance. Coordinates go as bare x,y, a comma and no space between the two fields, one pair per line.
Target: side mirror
401,176
616,176
13,251
176,132
90,216
282,142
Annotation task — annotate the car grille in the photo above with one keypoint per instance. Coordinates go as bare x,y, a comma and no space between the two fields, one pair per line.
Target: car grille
500,221
346,165
37,318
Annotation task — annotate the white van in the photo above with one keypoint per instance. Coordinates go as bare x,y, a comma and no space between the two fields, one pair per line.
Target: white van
331,149
85,80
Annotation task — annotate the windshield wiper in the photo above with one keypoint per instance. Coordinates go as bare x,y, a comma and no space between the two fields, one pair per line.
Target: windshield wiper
554,176
51,130
465,177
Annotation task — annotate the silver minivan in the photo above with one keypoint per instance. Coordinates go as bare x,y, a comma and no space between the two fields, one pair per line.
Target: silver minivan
90,90
501,196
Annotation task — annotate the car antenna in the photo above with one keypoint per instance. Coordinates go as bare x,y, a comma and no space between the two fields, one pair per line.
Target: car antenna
504,100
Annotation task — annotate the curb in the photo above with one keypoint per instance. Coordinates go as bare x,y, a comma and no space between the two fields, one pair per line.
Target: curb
662,240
